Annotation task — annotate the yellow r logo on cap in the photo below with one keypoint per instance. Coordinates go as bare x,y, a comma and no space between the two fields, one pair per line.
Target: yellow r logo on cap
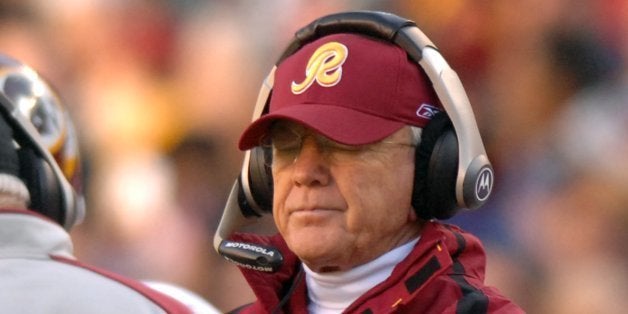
324,67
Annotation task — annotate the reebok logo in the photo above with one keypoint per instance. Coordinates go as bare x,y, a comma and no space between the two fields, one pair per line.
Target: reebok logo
427,111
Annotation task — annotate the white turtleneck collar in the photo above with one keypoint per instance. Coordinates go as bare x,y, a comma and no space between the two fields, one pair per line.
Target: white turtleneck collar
335,291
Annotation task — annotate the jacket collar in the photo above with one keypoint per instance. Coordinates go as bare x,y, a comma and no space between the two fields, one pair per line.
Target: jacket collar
440,247
24,233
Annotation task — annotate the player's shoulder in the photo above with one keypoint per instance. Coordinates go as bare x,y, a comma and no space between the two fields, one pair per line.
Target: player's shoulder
103,286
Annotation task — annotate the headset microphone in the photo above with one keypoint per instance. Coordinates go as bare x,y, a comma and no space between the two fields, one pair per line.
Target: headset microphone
253,256
248,255
242,210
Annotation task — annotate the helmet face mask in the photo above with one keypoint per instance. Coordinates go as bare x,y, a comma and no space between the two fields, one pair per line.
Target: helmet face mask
41,124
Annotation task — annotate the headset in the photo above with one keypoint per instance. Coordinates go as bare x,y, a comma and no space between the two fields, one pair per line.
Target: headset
452,170
41,128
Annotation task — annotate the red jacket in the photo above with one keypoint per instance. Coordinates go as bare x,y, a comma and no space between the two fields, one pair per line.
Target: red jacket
444,273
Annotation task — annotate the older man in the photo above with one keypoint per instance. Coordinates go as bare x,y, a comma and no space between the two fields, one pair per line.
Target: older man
344,124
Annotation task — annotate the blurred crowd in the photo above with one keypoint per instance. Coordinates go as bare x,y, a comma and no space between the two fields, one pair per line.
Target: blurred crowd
160,90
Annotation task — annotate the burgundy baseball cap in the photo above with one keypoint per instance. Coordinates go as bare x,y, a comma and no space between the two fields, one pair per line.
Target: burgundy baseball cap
350,88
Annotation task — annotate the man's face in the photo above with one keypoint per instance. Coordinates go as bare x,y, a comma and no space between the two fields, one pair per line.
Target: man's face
340,206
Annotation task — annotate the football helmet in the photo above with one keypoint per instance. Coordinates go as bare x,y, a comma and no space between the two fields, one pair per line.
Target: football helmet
46,142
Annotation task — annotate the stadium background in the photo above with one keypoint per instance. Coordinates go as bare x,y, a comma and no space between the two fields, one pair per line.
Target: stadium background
160,90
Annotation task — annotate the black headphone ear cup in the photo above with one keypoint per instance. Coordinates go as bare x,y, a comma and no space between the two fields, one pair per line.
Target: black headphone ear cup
260,182
436,169
45,192
441,177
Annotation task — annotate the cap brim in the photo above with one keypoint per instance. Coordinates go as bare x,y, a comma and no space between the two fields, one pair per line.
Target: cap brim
341,124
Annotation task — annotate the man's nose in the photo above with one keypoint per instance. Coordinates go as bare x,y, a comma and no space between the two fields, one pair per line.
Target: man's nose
311,164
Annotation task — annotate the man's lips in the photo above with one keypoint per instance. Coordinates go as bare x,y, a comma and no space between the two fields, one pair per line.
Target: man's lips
312,209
